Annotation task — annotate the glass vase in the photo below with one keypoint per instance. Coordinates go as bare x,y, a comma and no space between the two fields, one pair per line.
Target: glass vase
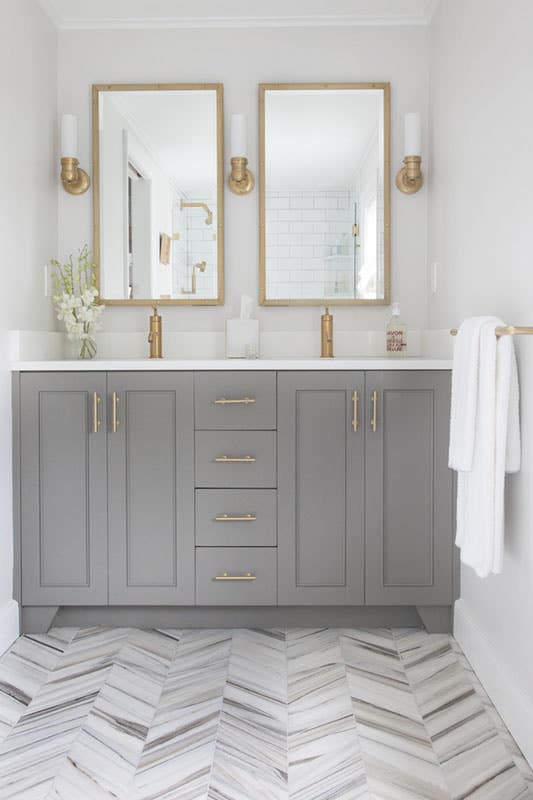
79,349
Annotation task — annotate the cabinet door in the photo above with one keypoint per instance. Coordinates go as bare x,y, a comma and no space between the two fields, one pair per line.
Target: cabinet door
151,493
63,488
409,527
320,488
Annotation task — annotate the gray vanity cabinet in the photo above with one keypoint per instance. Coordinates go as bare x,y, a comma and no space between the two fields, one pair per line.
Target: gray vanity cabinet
321,488
151,488
409,526
63,482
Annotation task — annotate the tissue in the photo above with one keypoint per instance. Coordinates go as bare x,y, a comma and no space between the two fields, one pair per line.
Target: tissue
242,334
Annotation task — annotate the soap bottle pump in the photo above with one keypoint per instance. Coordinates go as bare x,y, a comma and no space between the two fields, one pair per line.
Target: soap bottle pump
396,333
326,337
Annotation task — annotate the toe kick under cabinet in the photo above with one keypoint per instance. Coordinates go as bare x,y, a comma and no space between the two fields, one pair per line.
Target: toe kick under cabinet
233,488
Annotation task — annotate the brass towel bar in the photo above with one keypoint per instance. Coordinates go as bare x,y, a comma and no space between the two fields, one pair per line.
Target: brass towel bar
508,330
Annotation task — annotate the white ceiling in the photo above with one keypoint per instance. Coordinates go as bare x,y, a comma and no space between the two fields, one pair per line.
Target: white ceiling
179,129
340,125
97,14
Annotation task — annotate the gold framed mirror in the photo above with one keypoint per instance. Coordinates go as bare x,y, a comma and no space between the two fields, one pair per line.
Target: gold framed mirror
158,174
324,194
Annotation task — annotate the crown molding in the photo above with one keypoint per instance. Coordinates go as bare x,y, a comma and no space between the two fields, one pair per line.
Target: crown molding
430,13
49,8
203,23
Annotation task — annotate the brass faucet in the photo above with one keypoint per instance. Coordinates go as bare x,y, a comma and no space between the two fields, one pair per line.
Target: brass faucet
155,337
326,338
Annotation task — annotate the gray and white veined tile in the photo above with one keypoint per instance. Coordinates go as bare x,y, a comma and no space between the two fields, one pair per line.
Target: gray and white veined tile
325,761
251,748
304,714
24,669
516,754
35,748
103,759
179,750
399,758
473,757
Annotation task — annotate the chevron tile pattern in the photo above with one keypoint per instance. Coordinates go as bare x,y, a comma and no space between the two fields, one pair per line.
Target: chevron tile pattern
298,714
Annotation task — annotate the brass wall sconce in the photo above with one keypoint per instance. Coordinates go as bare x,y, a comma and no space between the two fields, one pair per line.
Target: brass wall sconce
409,179
240,179
194,204
74,179
201,267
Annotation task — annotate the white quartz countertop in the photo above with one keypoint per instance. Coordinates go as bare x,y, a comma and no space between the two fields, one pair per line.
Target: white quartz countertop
275,364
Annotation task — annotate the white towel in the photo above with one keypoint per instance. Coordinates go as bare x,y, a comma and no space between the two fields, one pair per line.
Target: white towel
484,439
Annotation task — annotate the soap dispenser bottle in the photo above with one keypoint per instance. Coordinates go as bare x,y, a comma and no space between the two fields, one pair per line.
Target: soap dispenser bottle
396,333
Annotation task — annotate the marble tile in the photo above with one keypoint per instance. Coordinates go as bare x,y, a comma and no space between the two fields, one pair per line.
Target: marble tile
515,752
24,669
35,748
399,758
324,754
474,759
104,757
303,714
179,749
251,747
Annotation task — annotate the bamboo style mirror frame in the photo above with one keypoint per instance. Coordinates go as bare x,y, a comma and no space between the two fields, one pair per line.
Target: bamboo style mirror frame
158,167
324,194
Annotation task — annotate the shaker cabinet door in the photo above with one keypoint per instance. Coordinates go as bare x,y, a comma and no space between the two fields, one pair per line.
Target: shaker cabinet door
320,488
63,488
409,526
151,488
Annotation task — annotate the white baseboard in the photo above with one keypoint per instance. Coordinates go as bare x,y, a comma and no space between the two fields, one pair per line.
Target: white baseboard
9,624
512,701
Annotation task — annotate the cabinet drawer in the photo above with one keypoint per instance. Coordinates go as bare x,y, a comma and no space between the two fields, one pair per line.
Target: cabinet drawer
244,459
235,400
236,576
236,517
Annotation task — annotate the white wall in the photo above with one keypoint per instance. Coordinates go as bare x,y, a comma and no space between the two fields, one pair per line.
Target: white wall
481,223
241,59
28,222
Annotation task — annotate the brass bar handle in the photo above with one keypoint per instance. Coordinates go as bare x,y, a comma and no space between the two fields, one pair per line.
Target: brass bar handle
240,401
355,420
115,422
235,518
235,460
96,420
374,420
227,577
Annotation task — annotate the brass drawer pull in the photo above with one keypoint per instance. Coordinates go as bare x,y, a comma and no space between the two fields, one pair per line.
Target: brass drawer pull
115,422
96,420
236,460
355,420
227,401
374,420
226,577
236,518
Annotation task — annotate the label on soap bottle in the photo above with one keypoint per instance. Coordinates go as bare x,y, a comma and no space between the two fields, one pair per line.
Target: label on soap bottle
396,341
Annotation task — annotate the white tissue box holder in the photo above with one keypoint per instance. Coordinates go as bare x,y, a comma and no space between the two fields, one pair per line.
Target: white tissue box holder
241,334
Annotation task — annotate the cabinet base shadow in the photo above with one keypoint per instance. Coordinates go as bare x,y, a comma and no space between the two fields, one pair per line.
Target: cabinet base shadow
37,619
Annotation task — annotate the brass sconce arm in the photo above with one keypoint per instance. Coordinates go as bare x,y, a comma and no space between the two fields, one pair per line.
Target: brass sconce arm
409,179
240,179
74,179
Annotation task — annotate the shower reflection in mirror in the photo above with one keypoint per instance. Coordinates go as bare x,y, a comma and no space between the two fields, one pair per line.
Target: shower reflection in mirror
324,194
158,208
